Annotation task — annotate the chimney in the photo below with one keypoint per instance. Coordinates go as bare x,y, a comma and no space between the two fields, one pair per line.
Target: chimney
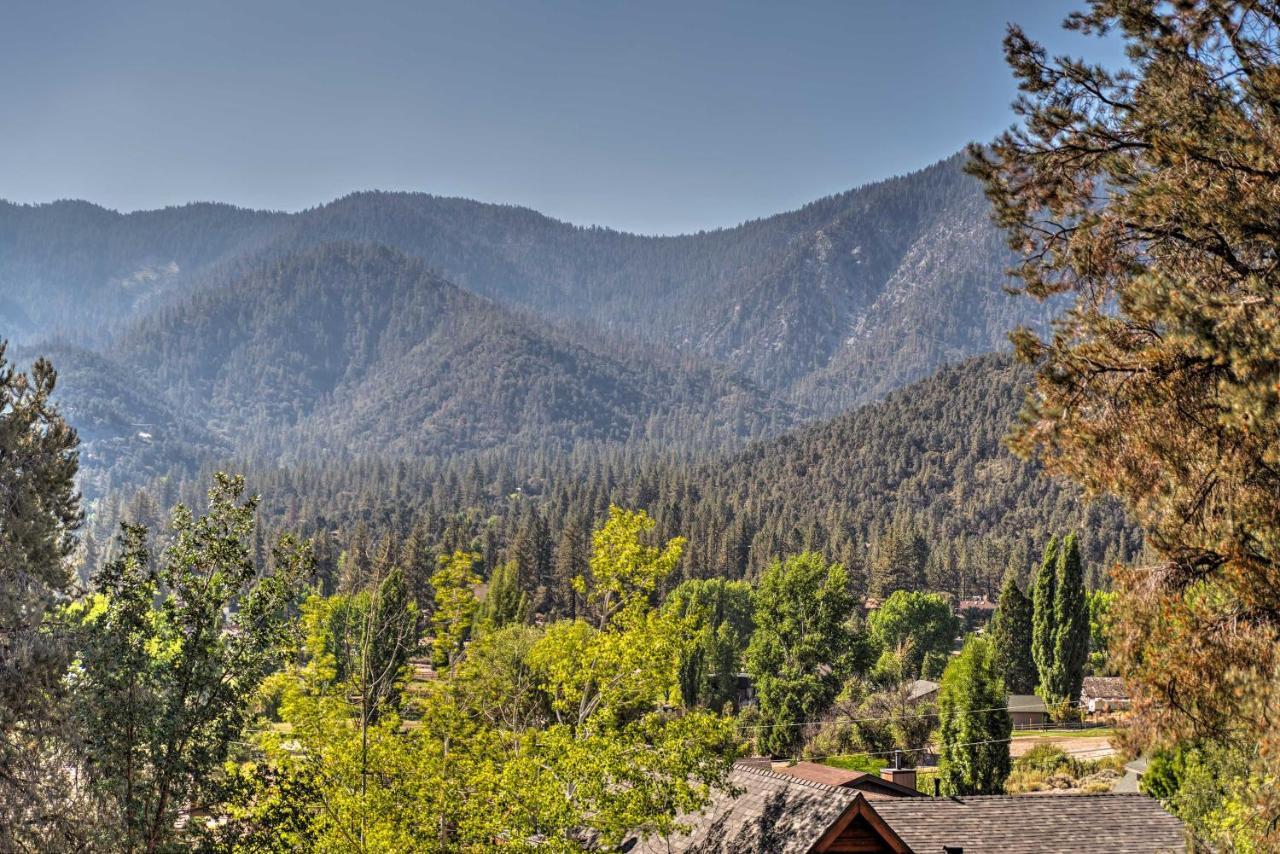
898,774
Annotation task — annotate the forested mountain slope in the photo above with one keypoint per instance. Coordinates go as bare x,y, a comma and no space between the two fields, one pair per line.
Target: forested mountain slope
73,269
829,305
926,466
355,348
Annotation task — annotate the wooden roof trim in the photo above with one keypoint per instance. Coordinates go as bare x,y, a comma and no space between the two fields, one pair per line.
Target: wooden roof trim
860,807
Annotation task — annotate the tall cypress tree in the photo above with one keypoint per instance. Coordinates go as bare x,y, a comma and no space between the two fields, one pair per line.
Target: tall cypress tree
1011,636
1071,619
974,725
1043,630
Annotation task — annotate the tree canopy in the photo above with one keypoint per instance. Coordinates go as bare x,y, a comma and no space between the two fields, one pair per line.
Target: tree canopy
1146,196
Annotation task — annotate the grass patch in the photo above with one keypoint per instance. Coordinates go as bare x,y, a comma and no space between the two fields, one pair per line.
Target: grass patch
1090,732
856,762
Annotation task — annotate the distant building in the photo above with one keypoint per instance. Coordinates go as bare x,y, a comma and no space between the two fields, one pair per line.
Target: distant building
1101,694
977,603
767,812
923,691
892,782
1028,711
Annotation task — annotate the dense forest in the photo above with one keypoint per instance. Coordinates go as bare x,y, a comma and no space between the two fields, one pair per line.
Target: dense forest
923,473
826,306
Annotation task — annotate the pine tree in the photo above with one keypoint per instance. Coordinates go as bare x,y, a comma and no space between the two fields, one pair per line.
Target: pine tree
1043,626
573,553
39,513
532,555
1011,636
1158,387
504,601
900,563
355,564
418,562
974,725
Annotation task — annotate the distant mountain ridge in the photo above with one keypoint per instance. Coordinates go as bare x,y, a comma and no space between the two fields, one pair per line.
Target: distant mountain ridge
904,274
411,323
351,348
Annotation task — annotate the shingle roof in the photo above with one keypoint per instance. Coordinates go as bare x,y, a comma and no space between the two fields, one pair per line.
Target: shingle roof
772,812
869,784
922,688
1109,687
1026,703
1023,824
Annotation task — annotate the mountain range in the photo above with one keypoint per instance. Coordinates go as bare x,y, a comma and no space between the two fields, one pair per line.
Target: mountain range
410,324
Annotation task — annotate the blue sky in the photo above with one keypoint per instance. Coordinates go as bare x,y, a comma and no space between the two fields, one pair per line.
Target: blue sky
647,116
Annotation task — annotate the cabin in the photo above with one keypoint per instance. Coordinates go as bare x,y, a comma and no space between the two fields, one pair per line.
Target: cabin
1028,711
1103,694
762,811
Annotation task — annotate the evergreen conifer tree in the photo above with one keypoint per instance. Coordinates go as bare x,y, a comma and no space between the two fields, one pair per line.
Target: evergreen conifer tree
1071,625
1011,636
974,725
504,602
1043,629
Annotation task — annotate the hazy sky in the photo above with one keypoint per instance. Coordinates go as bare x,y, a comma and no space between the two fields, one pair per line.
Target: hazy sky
647,116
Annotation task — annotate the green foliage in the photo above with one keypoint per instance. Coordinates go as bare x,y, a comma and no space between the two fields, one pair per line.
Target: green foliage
719,615
1071,619
1211,787
974,725
1010,634
864,719
1060,625
39,512
803,646
170,655
900,562
455,606
504,601
1143,195
914,625
566,727
1043,625
1100,602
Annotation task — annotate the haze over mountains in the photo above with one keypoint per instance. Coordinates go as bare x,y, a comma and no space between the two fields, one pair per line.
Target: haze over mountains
409,324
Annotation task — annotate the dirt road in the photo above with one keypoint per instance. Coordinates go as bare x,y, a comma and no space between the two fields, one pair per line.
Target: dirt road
1079,746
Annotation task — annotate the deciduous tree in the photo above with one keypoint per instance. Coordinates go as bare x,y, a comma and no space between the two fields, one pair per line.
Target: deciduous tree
803,646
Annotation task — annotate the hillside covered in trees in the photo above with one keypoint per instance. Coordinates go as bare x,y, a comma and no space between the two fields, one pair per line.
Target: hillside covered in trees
919,483
826,306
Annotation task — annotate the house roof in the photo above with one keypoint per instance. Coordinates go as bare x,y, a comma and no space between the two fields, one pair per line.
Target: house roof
1104,687
870,784
922,688
765,811
770,812
1014,824
1026,703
